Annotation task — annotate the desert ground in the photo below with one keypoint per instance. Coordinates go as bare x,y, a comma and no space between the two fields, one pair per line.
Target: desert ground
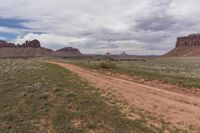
62,95
99,66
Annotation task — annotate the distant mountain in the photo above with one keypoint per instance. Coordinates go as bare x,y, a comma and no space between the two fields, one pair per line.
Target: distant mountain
124,55
33,49
186,46
68,51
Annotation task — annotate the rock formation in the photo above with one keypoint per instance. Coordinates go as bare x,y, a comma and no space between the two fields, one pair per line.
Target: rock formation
3,43
186,46
67,51
33,49
26,50
124,53
108,54
33,44
188,41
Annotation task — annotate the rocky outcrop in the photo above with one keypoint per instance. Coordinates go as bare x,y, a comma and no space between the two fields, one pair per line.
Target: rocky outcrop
33,49
186,46
32,44
188,41
25,50
3,43
67,51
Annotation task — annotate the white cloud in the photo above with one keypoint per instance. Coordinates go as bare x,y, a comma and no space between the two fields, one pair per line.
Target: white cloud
10,30
50,40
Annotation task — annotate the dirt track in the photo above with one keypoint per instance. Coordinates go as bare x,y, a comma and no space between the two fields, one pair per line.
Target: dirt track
180,109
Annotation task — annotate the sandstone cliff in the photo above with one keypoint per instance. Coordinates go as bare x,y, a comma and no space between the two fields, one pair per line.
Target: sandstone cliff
186,46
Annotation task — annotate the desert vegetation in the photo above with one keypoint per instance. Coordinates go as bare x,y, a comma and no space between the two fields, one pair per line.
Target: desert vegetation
41,97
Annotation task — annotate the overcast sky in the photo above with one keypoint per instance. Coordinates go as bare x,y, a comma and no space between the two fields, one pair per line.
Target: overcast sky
139,27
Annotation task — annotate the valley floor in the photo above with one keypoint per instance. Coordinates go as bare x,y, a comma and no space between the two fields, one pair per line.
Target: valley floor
37,96
179,108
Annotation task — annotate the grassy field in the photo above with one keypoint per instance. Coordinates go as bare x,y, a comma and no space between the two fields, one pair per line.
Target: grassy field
183,71
41,97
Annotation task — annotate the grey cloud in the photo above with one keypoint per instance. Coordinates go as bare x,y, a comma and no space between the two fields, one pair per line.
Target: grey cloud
145,26
96,45
156,23
158,18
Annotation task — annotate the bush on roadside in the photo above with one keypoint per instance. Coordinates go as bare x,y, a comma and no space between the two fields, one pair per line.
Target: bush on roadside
107,65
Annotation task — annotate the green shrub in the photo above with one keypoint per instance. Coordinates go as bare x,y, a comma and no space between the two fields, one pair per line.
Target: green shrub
107,65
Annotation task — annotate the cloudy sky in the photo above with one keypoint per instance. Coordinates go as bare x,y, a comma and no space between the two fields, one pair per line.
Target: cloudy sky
99,26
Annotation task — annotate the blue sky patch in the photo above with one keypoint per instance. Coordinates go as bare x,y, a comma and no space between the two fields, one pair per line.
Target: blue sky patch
13,23
7,36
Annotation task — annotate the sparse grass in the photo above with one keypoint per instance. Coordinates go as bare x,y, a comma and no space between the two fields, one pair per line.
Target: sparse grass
41,97
183,71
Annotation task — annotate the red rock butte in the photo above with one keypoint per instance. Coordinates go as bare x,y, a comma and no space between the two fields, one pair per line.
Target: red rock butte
186,46
191,40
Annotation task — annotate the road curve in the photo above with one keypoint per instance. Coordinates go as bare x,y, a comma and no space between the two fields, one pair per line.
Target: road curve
179,108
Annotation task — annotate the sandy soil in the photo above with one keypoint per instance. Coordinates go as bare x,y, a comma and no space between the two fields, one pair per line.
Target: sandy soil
179,108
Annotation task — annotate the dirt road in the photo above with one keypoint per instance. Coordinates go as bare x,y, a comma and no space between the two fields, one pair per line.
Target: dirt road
180,109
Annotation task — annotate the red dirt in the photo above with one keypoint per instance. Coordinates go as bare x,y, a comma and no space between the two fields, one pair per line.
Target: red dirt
181,109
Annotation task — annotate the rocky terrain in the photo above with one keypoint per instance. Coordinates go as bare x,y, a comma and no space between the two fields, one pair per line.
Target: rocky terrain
186,46
32,49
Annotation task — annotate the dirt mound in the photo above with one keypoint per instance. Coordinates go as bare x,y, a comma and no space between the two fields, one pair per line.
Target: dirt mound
186,46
